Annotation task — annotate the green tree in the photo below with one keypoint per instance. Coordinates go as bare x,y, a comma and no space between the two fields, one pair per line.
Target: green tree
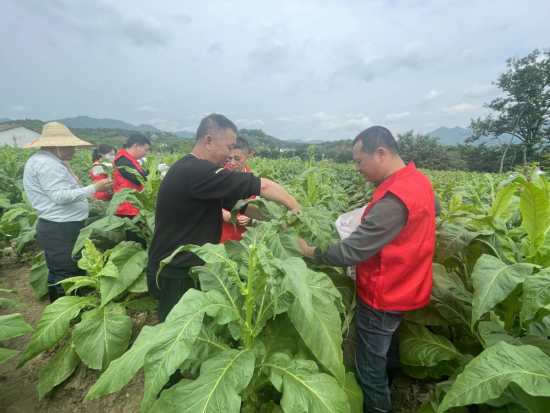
524,111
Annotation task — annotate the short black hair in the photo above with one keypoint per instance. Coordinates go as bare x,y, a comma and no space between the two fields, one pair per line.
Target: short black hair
243,145
137,138
377,137
212,123
103,149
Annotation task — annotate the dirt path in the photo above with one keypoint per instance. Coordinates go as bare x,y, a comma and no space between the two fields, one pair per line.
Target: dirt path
18,388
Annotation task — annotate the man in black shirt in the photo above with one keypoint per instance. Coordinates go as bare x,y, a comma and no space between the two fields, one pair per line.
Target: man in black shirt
189,207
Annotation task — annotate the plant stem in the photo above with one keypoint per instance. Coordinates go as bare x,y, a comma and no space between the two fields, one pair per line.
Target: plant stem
248,332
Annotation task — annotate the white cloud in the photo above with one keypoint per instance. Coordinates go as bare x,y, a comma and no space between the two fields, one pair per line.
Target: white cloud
430,125
432,94
165,125
480,90
351,121
457,109
397,116
146,109
20,109
249,124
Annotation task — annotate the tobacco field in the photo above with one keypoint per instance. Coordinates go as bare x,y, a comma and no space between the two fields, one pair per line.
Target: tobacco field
264,332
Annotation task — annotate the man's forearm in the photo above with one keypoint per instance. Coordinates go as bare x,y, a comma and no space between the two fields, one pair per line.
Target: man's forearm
274,192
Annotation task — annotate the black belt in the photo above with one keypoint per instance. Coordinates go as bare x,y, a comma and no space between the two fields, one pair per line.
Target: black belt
66,222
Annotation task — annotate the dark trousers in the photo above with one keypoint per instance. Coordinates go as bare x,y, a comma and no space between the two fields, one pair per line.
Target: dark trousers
169,293
131,235
376,354
57,239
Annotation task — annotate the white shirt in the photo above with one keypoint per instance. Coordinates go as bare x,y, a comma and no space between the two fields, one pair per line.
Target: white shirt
53,191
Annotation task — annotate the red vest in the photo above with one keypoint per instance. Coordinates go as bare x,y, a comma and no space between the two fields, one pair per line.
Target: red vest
100,195
399,277
228,230
120,182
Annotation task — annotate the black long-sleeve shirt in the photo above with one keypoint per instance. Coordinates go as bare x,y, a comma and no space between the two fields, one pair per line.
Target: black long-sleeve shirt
381,225
124,161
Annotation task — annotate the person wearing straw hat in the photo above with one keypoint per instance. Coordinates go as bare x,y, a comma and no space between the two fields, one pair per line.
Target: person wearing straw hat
53,190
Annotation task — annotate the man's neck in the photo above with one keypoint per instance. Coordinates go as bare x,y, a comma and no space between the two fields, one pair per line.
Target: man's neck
131,153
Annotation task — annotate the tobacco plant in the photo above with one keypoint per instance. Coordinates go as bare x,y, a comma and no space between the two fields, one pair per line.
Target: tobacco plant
264,325
101,333
488,323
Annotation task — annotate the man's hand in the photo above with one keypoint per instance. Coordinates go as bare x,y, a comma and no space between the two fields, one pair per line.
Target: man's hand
226,216
103,185
305,249
242,220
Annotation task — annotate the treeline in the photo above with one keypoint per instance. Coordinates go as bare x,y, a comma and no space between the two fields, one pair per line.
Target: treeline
427,152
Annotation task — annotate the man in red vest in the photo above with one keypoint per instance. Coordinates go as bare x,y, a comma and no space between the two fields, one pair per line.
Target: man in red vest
136,148
236,162
393,249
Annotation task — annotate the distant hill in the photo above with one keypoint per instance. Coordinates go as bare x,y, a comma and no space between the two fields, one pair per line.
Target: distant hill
457,135
314,141
5,120
82,122
184,134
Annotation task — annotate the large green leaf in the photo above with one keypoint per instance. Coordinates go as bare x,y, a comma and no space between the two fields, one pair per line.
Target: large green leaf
428,315
102,335
452,239
419,347
284,244
493,333
121,370
489,374
130,262
536,295
456,312
535,210
217,388
175,340
105,224
493,282
39,275
13,325
296,271
58,369
9,303
319,224
53,325
354,392
278,336
207,346
500,206
322,334
452,282
215,277
139,285
303,388
6,354
211,254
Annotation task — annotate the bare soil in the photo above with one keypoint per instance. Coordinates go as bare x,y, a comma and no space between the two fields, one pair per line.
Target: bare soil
18,388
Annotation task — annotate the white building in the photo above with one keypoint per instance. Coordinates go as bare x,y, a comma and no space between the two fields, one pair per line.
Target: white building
16,135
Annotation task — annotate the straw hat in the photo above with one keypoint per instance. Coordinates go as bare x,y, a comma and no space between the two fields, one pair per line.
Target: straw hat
56,134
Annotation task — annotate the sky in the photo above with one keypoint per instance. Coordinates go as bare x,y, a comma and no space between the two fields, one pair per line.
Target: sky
297,70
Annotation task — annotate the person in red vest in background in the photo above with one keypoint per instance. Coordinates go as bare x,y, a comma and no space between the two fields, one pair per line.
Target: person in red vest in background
393,248
237,161
105,153
136,148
